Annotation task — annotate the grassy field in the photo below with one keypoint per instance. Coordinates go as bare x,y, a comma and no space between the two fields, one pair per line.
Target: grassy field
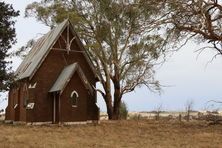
131,133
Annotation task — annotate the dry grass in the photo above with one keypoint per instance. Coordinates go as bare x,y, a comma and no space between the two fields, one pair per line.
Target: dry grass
113,134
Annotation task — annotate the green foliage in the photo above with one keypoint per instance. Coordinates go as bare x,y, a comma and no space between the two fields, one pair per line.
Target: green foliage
7,38
123,111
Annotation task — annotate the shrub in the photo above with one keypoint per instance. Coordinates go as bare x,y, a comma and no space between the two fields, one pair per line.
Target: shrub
123,111
136,117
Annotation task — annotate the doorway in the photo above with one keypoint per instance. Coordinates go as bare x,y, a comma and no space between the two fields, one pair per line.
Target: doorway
55,108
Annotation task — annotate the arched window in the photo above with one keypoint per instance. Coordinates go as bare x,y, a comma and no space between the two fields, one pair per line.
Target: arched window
25,97
74,98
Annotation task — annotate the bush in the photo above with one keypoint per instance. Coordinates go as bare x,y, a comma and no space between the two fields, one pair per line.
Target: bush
123,111
136,117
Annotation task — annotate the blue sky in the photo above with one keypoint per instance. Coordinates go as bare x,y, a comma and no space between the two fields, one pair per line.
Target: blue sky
187,76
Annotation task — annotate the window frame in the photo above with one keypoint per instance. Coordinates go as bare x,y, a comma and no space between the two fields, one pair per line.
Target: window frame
74,92
25,95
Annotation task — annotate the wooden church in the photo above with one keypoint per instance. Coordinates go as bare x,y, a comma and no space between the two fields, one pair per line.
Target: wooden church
55,82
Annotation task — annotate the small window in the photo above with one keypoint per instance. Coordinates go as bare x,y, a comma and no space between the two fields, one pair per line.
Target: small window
15,106
30,106
74,98
25,101
25,98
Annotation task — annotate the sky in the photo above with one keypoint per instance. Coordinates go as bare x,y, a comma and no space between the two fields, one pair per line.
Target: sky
186,76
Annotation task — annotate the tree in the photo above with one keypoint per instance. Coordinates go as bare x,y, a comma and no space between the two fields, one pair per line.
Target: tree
188,109
7,38
158,111
123,112
123,46
197,19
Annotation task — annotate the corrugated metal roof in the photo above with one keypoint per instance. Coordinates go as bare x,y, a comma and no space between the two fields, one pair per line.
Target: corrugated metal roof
39,51
64,78
42,47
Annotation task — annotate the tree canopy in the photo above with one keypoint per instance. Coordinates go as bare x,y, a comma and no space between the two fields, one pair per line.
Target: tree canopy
7,38
119,37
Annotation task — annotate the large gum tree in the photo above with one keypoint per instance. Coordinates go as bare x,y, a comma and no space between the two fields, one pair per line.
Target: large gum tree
120,37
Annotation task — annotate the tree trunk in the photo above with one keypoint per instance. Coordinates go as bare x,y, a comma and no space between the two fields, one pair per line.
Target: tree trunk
109,106
113,109
117,100
116,108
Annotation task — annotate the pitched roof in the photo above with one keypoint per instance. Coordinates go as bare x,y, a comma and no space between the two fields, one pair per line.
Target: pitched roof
42,47
66,75
38,51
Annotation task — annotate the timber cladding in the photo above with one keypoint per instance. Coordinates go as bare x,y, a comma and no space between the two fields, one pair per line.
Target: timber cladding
31,99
